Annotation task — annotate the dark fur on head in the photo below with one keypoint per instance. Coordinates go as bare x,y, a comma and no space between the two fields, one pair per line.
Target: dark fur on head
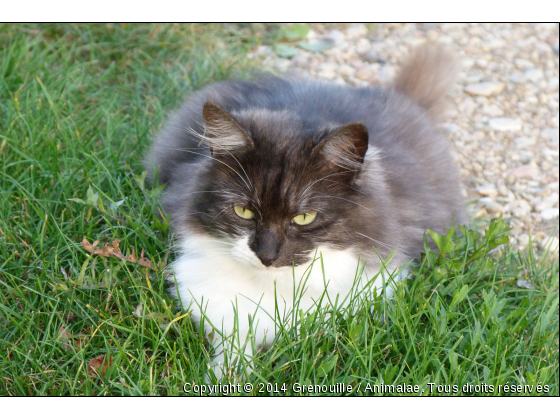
369,161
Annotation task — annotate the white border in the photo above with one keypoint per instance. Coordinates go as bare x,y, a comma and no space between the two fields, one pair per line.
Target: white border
242,408
281,11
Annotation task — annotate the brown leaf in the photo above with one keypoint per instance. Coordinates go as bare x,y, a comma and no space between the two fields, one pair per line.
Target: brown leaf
113,250
132,257
145,262
98,365
117,251
89,247
71,316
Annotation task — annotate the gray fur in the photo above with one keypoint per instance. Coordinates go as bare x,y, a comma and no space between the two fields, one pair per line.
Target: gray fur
385,199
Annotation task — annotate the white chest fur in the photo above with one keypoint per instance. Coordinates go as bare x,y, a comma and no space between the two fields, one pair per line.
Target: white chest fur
223,279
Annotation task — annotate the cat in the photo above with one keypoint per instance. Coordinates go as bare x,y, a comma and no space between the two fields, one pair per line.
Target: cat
264,177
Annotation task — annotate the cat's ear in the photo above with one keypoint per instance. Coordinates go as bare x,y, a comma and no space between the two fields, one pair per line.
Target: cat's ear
346,147
222,133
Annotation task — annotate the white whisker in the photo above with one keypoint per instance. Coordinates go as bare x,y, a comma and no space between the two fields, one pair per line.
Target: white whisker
210,157
350,201
376,241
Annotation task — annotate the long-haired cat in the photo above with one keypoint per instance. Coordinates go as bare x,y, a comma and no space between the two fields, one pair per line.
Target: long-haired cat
264,176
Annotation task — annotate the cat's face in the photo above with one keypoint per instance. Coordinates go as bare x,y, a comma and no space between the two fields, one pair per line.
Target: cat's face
281,197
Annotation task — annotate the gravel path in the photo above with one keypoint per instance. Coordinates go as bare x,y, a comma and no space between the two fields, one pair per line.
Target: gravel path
503,121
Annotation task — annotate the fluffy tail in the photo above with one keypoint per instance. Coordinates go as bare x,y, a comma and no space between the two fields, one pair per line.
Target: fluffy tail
427,76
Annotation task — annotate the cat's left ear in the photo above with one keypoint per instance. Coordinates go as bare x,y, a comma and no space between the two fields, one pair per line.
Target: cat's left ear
346,147
222,132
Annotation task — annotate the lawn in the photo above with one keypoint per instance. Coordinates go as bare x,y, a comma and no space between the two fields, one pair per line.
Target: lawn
79,105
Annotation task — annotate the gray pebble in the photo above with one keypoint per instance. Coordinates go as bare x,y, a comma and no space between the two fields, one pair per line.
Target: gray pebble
337,35
523,64
491,205
524,171
372,57
550,214
327,74
550,134
282,64
357,30
523,142
346,70
548,202
534,75
488,190
485,88
505,124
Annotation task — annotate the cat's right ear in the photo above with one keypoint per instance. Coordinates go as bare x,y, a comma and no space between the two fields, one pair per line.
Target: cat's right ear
346,147
221,132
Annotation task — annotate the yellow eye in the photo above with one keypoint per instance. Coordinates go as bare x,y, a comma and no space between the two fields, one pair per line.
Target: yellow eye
244,212
305,218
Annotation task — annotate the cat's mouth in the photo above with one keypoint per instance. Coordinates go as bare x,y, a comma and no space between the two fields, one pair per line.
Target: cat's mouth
279,265
242,253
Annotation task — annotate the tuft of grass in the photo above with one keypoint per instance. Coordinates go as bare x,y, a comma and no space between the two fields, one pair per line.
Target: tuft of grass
474,318
78,106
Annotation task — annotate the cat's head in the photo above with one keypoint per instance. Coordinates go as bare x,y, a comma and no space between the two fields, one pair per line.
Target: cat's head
277,186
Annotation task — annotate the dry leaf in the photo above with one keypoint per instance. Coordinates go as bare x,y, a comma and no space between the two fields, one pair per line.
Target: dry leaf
98,365
71,316
70,342
113,250
145,262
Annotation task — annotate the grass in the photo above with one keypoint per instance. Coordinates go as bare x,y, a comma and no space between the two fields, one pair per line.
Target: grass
78,107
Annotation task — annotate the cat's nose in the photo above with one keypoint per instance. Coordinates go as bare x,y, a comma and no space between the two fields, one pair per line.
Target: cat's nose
267,262
267,252
267,247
